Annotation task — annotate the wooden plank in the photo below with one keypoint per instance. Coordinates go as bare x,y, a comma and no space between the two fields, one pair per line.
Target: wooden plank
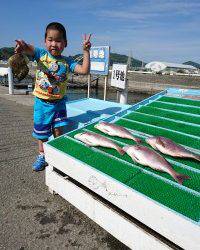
119,226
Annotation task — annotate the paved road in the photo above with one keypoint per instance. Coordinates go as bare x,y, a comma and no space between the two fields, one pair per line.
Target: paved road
32,218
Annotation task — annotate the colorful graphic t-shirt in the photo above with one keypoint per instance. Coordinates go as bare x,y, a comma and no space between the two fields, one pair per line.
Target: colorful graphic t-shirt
51,74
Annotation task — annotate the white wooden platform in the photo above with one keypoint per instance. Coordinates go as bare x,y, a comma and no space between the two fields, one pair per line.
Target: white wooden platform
133,218
124,229
177,229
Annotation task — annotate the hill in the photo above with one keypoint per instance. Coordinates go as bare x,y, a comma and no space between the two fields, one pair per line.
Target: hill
6,52
197,65
118,58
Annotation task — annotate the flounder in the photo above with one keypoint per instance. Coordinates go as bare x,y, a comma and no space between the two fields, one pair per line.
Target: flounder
18,62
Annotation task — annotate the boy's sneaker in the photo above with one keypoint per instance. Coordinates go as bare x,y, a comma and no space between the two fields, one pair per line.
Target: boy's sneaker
40,163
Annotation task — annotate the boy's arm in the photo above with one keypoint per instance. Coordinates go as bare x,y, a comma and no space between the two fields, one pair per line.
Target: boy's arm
85,67
22,46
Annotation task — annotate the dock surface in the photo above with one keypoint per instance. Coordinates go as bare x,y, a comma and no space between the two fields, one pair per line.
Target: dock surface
31,217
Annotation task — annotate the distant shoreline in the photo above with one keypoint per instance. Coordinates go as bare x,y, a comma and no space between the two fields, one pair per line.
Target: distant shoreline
137,82
149,83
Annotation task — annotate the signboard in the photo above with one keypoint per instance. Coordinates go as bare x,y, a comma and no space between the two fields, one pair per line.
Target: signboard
99,60
118,78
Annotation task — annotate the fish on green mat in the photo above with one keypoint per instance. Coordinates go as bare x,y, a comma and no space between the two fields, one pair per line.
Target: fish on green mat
116,130
169,147
18,62
93,140
148,157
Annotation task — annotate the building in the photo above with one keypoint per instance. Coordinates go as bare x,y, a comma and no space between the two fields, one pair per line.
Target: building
164,67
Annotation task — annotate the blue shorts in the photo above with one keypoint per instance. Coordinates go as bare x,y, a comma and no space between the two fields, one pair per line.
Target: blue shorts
48,115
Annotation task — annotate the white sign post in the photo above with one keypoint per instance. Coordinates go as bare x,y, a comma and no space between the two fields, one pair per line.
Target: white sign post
119,80
99,64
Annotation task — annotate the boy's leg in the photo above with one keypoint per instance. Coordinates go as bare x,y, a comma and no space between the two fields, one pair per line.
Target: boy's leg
40,146
60,120
43,115
48,118
58,131
40,162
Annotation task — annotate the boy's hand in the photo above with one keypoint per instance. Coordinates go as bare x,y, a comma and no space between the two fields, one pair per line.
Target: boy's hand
20,46
86,42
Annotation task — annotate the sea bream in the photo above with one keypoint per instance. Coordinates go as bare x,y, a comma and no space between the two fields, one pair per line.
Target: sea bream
148,157
169,147
115,130
93,140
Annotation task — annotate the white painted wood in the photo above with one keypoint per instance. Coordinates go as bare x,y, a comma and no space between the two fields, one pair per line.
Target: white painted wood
3,71
120,227
89,83
118,76
51,191
123,96
8,71
49,168
10,81
171,225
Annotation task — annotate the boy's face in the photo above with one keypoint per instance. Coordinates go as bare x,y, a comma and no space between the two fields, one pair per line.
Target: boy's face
55,42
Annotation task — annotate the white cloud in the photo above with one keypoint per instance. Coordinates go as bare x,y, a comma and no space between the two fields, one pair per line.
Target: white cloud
145,10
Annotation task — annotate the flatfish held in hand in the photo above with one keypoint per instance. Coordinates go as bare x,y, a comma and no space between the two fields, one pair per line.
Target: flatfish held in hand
152,159
115,130
169,147
18,62
93,140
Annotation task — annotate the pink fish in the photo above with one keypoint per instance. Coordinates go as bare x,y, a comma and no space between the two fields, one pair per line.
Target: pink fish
115,130
92,139
152,159
168,147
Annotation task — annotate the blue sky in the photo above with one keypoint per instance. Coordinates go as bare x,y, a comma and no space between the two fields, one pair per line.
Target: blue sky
150,29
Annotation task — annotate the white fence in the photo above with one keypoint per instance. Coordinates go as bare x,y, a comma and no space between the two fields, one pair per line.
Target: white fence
8,71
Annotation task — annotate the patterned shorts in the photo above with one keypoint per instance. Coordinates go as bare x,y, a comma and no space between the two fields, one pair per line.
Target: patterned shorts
48,115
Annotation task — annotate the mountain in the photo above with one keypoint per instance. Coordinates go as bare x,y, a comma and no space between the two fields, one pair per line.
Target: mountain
118,58
197,65
6,52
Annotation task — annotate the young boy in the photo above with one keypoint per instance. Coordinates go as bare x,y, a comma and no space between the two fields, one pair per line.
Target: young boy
51,79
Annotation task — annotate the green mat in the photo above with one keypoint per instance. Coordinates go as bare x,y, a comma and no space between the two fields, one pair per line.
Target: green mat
180,101
175,107
169,114
193,129
151,120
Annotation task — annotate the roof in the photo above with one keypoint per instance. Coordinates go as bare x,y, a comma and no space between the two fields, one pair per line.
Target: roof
158,66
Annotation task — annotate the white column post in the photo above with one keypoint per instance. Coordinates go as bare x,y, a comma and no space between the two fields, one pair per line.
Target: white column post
123,96
89,81
105,87
10,81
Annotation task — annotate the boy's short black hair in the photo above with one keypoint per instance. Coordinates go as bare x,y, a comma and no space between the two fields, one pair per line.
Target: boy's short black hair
56,26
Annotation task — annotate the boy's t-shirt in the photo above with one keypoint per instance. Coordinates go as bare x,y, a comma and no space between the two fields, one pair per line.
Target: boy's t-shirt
51,74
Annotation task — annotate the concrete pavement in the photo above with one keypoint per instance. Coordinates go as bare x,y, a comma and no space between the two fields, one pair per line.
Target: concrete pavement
32,218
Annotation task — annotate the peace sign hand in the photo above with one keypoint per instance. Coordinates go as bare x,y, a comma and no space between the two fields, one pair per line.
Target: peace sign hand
86,42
